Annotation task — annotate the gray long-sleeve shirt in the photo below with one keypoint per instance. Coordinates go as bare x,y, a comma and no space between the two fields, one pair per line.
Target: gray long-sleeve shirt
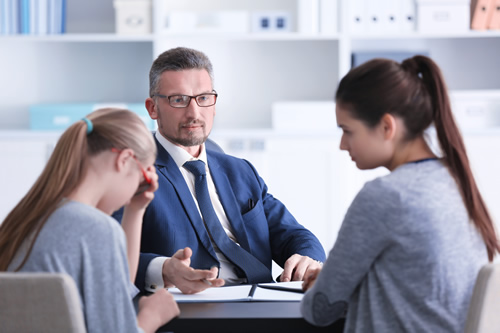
89,246
406,257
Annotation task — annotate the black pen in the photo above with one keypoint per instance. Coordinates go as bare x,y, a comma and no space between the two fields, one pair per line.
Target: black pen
251,204
281,288
252,291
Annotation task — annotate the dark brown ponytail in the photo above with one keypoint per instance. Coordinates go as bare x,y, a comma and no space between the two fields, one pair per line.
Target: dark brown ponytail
453,148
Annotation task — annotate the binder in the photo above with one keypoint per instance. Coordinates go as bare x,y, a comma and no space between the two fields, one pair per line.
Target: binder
481,11
374,13
494,21
328,17
391,15
357,14
308,16
408,9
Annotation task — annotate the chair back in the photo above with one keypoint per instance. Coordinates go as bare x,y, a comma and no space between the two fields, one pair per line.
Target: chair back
39,302
484,308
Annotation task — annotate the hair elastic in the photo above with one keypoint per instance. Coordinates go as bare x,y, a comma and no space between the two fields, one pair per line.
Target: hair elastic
90,127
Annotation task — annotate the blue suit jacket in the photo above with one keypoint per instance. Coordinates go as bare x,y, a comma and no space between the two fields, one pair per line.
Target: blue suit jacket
172,221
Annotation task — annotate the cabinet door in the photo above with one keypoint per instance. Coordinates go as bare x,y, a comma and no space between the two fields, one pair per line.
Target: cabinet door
485,160
22,163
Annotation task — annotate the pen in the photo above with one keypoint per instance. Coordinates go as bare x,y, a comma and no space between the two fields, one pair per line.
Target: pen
251,204
292,290
207,282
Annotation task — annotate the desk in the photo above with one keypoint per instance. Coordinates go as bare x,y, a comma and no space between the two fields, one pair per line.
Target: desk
241,317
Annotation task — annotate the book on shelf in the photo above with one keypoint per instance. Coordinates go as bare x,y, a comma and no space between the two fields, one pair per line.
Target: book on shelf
32,17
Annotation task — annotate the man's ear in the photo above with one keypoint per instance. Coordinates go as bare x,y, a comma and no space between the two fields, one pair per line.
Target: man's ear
151,107
389,126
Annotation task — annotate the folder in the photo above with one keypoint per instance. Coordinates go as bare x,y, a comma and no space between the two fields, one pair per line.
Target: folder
494,21
481,11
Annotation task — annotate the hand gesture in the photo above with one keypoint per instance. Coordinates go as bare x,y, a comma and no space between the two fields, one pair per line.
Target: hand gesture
178,273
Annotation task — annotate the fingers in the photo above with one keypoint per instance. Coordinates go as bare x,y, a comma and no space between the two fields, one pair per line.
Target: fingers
296,267
286,276
183,254
310,278
177,272
156,310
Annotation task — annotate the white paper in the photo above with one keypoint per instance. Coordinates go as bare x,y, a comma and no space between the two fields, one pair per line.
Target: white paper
241,293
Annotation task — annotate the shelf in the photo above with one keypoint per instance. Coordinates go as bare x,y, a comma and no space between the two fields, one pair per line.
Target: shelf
97,37
419,35
290,36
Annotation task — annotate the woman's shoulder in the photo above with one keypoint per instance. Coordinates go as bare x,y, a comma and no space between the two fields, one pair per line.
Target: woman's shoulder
82,220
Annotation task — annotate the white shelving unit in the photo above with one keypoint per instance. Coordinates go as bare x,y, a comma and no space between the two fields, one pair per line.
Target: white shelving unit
92,64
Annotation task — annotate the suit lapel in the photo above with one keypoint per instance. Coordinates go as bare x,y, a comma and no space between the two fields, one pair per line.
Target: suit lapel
228,200
166,166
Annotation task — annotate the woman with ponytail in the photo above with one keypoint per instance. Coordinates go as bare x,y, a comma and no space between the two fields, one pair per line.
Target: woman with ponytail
412,242
63,223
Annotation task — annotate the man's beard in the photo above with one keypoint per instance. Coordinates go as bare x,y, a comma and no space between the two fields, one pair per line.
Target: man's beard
190,141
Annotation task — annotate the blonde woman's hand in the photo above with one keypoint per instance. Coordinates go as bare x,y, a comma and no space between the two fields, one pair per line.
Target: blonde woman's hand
156,310
145,192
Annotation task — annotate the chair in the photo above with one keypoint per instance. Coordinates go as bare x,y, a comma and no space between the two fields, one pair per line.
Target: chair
484,315
39,302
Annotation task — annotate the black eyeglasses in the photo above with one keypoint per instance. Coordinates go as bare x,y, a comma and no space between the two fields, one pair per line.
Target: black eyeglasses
182,101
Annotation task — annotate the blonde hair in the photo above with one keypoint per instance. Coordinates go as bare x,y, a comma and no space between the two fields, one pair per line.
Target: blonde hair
110,128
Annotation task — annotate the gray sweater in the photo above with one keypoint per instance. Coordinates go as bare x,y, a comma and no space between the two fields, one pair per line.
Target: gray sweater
89,246
406,257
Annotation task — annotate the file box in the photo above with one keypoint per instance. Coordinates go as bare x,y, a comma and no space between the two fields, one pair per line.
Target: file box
133,16
58,117
438,16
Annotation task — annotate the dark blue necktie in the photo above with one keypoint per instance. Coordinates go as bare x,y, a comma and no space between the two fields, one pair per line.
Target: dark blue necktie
254,270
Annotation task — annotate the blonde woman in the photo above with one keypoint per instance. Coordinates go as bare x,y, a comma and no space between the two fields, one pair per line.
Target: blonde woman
63,222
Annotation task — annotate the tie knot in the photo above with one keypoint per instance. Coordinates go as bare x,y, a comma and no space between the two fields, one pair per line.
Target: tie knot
197,167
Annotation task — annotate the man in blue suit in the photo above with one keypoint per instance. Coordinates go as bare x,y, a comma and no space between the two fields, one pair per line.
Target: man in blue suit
178,248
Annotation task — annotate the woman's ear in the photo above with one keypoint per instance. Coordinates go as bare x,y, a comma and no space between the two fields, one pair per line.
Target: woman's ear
122,158
389,126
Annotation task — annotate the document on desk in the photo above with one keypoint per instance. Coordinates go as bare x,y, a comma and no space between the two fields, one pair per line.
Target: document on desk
289,291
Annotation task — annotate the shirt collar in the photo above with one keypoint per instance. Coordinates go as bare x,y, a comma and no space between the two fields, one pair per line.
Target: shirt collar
179,155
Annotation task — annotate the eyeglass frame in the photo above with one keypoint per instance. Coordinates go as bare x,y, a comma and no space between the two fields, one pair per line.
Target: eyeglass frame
144,174
214,93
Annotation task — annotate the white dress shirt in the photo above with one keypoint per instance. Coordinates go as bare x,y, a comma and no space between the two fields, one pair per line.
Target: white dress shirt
154,277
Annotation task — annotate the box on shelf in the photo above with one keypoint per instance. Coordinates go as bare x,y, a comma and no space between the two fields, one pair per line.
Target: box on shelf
476,109
438,16
271,21
132,16
185,21
57,117
304,115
